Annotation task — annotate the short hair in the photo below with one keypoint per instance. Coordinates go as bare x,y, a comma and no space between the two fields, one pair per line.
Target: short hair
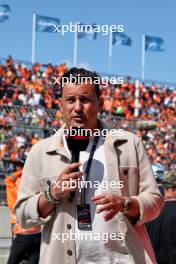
77,74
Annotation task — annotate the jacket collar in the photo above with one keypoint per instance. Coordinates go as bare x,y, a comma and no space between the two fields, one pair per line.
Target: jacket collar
57,145
119,136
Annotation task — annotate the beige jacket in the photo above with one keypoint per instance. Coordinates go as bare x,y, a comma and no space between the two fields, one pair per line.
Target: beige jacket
126,160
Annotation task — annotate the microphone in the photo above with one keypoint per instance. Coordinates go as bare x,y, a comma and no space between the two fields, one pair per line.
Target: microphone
76,143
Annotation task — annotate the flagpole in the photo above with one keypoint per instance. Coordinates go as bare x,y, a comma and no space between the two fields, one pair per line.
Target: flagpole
110,52
75,47
136,102
143,58
33,37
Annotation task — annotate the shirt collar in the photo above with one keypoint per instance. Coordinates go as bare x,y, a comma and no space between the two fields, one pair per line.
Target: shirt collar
59,145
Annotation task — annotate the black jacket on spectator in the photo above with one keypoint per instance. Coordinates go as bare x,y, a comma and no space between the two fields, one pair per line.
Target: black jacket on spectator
162,233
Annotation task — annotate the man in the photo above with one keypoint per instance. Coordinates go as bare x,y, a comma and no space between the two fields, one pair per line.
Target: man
162,230
25,242
117,158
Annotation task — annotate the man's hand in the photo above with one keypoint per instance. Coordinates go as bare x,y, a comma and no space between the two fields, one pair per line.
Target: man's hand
111,204
114,203
67,181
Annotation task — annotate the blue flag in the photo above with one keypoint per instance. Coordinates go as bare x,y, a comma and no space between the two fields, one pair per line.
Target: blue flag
4,12
87,30
46,24
154,43
119,38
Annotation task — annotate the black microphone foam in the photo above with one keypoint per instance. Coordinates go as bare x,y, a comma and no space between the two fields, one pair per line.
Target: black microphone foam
76,143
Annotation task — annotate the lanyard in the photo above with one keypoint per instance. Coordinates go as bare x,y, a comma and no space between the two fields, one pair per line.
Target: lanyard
87,170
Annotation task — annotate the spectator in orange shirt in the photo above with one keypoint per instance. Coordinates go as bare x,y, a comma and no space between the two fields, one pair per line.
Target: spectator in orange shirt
26,242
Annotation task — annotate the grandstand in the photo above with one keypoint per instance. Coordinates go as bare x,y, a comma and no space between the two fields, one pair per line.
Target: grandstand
29,111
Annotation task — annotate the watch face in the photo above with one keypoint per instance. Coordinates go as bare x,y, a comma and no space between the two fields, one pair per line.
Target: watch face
127,204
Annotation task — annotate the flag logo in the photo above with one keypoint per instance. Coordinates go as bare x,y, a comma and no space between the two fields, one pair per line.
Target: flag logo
46,24
4,12
119,38
86,31
154,43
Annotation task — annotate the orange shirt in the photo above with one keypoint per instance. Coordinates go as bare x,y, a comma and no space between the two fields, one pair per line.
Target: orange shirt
12,184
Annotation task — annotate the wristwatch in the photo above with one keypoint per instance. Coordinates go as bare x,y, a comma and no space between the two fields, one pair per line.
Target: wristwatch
127,205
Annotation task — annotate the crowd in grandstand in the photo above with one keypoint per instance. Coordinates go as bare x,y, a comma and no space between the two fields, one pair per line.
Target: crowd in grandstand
28,96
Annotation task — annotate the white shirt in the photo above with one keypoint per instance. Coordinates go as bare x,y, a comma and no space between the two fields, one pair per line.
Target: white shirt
92,248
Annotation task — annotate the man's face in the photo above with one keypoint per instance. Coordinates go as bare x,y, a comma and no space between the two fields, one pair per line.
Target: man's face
170,193
80,105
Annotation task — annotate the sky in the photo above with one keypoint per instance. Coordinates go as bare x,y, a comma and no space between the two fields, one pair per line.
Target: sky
154,17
